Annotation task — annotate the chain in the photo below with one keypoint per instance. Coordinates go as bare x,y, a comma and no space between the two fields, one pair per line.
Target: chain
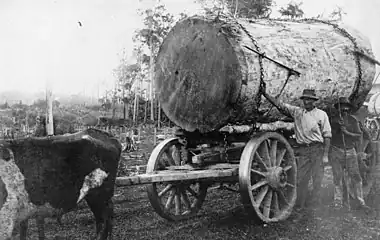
262,83
184,153
225,146
343,32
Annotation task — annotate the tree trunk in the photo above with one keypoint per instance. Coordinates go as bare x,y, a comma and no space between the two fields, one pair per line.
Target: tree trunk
151,70
206,76
135,108
236,8
49,112
146,110
159,115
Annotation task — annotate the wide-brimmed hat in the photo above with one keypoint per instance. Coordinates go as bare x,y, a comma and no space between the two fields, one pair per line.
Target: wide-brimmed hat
343,101
309,93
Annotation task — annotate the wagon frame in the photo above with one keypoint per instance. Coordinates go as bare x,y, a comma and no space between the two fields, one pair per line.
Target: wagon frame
262,164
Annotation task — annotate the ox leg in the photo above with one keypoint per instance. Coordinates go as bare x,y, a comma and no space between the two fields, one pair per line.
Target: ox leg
23,229
103,212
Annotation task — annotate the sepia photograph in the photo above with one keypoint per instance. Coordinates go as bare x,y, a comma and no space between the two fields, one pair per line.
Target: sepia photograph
189,119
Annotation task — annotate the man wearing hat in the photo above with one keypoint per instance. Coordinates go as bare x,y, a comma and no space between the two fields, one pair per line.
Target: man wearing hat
313,132
346,134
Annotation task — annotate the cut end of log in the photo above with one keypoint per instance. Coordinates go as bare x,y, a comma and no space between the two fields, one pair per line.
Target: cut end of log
198,75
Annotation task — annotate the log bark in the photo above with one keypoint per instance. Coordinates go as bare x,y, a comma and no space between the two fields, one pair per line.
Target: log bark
205,76
374,104
273,126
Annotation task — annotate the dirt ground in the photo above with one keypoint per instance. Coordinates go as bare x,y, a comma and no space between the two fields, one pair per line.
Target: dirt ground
222,217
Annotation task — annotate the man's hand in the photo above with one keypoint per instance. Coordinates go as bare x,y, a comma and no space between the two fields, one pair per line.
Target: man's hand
343,129
325,158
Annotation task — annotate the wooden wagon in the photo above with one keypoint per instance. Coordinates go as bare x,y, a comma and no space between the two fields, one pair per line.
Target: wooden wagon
372,121
261,166
210,73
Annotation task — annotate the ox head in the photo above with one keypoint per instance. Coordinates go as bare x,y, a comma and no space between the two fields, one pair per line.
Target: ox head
93,180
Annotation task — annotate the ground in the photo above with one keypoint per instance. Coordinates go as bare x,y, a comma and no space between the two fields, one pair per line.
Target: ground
222,217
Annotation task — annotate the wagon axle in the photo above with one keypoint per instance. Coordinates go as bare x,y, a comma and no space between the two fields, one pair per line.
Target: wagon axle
276,177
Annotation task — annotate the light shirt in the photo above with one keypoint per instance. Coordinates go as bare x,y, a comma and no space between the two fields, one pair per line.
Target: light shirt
309,126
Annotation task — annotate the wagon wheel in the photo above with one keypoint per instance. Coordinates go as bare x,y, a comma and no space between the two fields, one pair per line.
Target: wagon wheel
173,201
268,176
374,127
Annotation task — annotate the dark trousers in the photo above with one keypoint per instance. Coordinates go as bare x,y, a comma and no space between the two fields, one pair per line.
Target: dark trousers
309,167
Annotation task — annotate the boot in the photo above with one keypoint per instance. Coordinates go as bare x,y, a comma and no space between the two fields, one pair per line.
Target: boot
338,196
359,195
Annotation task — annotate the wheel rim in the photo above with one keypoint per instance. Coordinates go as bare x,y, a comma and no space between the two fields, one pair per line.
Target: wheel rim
267,177
174,201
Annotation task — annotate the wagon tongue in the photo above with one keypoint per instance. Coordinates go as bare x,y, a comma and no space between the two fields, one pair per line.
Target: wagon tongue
92,180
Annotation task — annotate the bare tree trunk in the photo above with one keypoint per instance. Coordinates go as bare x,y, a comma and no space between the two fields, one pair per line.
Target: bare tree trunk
126,110
49,111
159,115
135,107
151,84
146,111
236,8
124,104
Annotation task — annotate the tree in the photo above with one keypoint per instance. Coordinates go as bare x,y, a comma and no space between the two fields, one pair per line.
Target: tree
4,106
129,75
293,10
157,24
40,103
337,14
240,8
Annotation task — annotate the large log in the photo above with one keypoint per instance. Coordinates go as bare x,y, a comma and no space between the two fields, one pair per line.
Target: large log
206,77
374,104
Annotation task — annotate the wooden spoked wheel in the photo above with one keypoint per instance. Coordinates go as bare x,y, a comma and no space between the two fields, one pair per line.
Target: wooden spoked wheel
268,177
372,124
173,201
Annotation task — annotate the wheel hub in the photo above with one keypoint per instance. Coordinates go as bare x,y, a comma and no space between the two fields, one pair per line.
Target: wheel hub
276,177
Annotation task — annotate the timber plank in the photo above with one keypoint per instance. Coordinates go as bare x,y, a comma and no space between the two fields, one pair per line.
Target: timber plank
176,175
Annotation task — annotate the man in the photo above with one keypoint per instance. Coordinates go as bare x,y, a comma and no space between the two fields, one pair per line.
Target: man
346,135
313,132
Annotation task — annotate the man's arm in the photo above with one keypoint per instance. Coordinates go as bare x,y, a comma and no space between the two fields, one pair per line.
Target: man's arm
326,146
356,131
326,133
284,108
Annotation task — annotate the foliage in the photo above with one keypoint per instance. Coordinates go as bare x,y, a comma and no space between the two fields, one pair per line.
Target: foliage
337,14
132,76
60,126
127,75
240,8
292,10
157,23
4,106
40,103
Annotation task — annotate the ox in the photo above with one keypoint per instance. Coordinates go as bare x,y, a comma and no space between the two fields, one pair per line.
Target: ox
48,176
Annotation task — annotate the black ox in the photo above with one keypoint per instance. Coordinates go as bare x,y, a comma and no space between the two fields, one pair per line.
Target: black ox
49,176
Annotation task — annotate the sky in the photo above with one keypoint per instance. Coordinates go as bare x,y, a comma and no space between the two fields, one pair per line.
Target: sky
42,40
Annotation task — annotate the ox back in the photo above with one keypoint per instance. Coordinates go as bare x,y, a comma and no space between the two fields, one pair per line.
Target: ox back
55,167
